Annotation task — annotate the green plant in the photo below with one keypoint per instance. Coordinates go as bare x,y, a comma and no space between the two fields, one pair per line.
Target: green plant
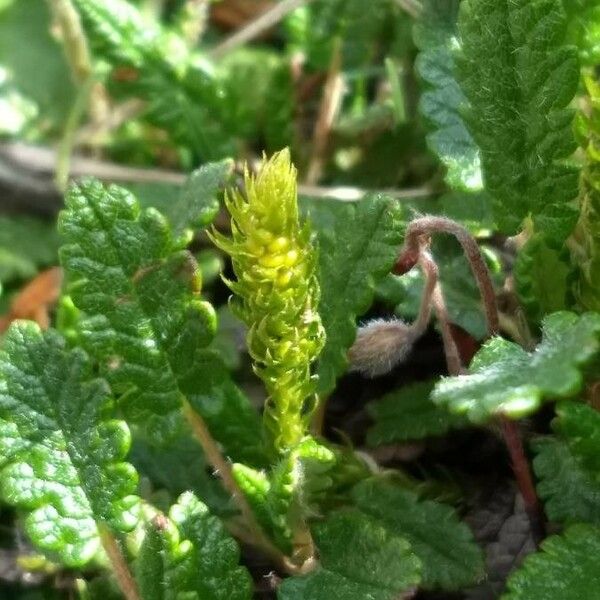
250,382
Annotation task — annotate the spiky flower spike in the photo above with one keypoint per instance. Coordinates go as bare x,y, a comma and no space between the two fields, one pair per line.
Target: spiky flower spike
276,294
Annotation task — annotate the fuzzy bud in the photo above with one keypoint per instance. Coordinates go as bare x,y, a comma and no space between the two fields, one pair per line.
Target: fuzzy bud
381,345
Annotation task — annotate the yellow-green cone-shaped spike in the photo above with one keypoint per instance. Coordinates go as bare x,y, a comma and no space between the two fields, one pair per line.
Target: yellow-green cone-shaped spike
276,294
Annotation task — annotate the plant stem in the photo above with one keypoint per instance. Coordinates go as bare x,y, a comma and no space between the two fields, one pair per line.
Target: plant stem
522,471
430,225
415,232
65,148
223,468
119,564
318,419
434,294
73,38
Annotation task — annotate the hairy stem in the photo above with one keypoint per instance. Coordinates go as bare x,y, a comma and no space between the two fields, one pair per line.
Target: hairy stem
223,468
119,564
430,225
435,296
413,242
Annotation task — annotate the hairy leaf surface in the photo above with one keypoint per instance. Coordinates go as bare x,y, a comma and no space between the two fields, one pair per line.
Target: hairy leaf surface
566,568
62,453
505,379
450,557
436,36
409,414
144,320
519,77
380,566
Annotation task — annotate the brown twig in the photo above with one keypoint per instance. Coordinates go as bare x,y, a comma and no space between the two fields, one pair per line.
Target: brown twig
119,564
26,172
223,469
257,26
331,103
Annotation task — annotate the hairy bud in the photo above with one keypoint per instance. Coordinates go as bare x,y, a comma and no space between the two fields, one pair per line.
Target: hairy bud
381,345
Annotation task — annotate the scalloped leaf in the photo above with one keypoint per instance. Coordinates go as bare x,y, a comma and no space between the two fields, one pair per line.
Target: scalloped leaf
566,568
190,554
450,557
62,451
506,380
436,37
409,414
519,76
357,251
380,565
144,321
568,465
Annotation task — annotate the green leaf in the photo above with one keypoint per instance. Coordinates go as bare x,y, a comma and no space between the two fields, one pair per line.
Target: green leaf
566,568
62,451
314,29
49,87
228,412
568,465
409,414
178,467
450,557
198,205
143,319
585,251
519,77
473,210
506,380
359,559
354,254
182,95
541,278
436,37
26,245
191,555
282,499
584,28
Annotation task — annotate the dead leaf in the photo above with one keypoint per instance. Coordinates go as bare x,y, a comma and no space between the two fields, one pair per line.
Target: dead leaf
35,300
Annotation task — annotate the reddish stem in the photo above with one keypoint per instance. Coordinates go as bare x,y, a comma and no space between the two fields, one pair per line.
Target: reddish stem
520,465
413,243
